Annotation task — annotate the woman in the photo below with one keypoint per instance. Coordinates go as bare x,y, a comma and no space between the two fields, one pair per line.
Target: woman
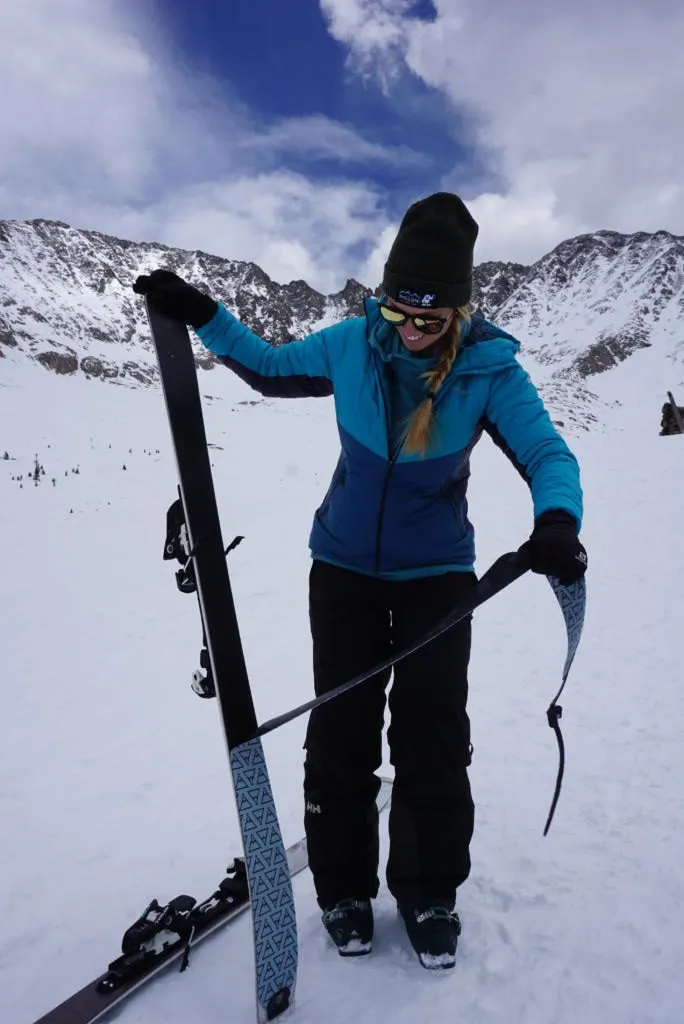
416,381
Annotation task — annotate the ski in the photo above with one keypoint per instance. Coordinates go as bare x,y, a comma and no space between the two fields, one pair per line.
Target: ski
149,946
164,936
268,877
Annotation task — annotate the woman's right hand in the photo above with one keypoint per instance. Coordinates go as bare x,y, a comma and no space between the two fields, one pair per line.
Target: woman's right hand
175,298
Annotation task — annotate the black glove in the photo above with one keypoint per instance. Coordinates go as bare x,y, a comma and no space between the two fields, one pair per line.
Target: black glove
174,297
555,549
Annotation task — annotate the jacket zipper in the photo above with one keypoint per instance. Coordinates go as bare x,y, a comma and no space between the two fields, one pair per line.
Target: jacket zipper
381,513
392,458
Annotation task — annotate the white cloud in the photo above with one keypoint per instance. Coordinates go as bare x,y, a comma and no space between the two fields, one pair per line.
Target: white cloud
292,227
572,111
575,108
103,126
319,136
82,98
376,31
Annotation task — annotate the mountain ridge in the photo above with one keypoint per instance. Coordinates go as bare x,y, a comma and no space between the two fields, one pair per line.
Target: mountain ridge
588,305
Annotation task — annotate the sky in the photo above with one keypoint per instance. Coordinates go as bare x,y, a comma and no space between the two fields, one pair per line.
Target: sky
296,134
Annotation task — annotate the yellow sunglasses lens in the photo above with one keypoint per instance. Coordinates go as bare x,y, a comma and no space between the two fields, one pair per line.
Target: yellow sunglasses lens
393,316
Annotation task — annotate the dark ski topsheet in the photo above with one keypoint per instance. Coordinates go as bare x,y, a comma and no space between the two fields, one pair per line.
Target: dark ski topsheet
271,898
184,408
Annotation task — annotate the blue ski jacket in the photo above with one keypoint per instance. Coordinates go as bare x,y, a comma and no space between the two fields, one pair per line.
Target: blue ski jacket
387,513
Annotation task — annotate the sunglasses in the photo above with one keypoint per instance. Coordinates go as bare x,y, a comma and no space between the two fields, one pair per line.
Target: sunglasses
426,325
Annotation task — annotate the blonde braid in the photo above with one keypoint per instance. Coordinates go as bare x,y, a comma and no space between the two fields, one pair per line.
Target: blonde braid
419,428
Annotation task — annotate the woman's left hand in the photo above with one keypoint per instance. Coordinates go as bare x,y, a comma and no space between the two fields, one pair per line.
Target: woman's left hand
555,548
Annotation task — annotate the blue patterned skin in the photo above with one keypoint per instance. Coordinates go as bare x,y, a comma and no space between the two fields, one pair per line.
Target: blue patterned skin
573,602
270,885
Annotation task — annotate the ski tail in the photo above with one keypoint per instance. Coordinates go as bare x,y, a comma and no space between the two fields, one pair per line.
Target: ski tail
97,999
270,884
573,601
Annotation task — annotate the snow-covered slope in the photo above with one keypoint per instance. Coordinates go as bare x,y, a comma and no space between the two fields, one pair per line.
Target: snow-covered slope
598,298
113,778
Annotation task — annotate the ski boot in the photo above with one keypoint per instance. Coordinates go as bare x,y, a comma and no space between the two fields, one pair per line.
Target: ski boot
350,925
433,932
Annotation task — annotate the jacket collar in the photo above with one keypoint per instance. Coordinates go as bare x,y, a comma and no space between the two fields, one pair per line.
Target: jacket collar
485,347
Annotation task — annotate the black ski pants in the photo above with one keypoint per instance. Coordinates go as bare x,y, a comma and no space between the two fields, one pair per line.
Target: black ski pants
356,621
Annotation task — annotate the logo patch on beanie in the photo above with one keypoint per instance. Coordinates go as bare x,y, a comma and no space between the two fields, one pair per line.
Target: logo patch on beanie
414,299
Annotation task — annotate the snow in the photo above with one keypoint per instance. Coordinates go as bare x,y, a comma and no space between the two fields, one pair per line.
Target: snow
114,783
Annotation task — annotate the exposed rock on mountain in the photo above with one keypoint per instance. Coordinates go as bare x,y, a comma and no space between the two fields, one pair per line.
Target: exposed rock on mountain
590,304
